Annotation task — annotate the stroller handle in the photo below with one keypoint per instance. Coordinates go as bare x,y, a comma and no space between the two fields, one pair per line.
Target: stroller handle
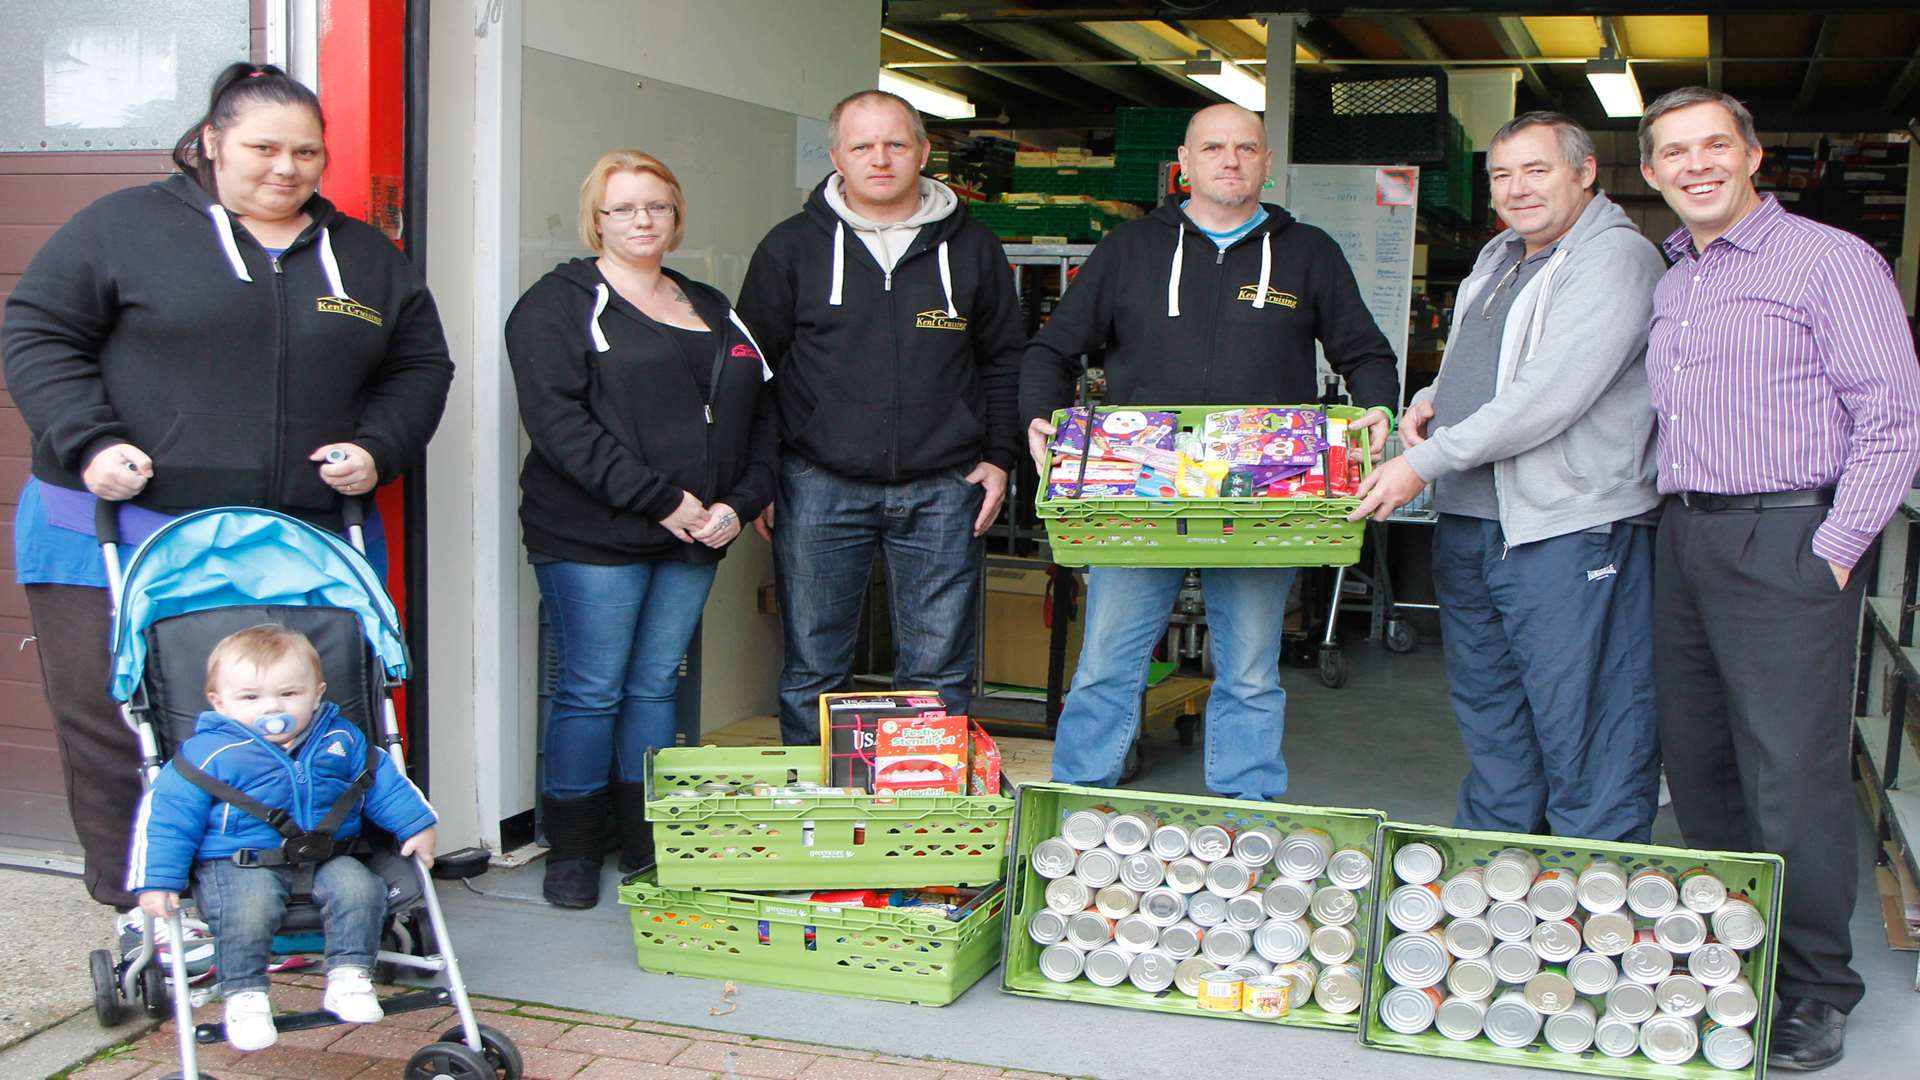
353,511
106,521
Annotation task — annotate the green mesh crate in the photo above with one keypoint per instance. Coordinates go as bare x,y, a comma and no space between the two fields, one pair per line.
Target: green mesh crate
1066,180
813,841
1760,876
1041,809
1148,128
909,955
1192,533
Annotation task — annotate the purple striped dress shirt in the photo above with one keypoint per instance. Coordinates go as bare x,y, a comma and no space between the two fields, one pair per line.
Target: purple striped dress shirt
1781,359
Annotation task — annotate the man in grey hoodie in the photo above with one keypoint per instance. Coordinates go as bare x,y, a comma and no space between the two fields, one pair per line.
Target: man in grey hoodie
1540,450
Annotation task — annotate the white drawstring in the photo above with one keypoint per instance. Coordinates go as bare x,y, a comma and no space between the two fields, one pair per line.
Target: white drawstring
839,261
1266,271
224,230
946,281
331,265
1173,279
766,371
593,324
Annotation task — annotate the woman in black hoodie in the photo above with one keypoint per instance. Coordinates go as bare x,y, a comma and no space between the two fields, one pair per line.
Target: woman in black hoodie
652,441
223,337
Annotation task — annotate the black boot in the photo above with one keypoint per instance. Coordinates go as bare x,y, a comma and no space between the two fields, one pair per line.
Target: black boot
1808,1035
636,836
576,847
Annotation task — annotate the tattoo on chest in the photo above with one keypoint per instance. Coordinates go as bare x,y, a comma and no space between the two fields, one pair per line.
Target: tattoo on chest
681,296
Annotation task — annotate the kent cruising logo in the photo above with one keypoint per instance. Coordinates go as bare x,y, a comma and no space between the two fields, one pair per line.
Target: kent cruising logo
345,305
1274,296
939,320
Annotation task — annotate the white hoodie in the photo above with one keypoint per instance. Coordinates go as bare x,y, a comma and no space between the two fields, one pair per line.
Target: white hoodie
888,240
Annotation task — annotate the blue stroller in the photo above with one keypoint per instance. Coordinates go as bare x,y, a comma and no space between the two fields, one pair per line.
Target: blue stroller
196,580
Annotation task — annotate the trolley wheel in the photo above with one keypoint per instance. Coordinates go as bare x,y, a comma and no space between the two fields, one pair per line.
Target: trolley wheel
153,991
1400,636
108,1006
1333,669
447,1059
1186,727
499,1050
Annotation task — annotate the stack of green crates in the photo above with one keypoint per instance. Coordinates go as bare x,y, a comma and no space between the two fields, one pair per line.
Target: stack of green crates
1084,223
1143,140
1449,187
1095,183
692,916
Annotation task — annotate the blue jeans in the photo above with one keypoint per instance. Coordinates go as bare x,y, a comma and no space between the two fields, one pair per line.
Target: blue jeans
1127,611
620,633
243,905
826,534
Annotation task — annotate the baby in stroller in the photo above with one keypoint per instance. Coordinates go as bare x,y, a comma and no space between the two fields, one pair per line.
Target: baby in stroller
265,801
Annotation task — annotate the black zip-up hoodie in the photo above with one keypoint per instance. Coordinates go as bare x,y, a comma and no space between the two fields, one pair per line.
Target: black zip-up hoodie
618,425
887,377
151,318
1184,323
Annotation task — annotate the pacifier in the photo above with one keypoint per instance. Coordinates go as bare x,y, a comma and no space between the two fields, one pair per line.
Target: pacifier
273,724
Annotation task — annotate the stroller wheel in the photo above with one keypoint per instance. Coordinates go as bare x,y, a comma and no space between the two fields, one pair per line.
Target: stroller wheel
1333,668
153,991
108,1006
499,1050
452,1060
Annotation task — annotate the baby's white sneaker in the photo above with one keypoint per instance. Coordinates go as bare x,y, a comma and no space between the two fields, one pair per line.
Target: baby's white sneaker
350,996
250,1021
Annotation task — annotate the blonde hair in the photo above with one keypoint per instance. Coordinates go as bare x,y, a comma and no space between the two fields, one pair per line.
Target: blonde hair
262,646
594,189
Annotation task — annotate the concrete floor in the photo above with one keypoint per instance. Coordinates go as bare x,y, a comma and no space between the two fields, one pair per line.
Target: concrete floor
1385,741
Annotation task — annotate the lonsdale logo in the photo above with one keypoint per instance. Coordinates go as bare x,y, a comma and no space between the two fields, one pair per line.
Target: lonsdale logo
343,305
1274,296
939,320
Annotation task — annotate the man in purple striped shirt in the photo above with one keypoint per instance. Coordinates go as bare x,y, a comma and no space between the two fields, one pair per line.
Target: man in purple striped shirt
1783,376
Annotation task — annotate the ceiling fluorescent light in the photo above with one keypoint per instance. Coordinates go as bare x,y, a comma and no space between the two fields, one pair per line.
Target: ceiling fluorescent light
1614,85
1229,81
928,98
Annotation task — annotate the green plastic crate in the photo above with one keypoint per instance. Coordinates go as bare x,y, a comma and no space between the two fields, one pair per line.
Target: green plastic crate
1149,128
1203,532
814,841
1760,876
1066,180
1041,809
909,955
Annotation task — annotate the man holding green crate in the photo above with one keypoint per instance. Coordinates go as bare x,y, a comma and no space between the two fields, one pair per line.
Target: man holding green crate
1217,301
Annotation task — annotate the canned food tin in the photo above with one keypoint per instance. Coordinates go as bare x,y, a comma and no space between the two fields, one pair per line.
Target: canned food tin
1332,944
1616,1036
1108,965
1286,898
1338,989
1303,974
1416,907
1725,1046
1469,939
1714,964
1230,877
1211,842
1256,847
1135,934
1418,864
1129,833
1152,971
1169,842
1087,829
1142,871
1669,1040
1571,1031
1511,1022
1116,901
1511,920
1207,909
1592,973
1514,961
1162,907
1098,867
1089,930
1464,895
1555,893
1047,927
1281,940
1409,1010
1557,942
1350,868
1245,912
1472,979
1609,933
1068,895
1053,858
1646,960
1062,962
1304,854
1631,1001
1224,944
1267,997
1417,960
1737,923
1459,1018
1510,874
1681,931
1652,893
1186,875
1250,966
1550,991
1603,887
1186,976
1220,991
1681,995
1701,891
1182,939
1334,906
1734,1003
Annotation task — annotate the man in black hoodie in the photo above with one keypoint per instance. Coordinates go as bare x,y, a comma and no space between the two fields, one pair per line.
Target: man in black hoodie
890,318
1215,301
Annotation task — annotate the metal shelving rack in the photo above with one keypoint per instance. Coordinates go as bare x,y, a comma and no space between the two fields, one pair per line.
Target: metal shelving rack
1887,747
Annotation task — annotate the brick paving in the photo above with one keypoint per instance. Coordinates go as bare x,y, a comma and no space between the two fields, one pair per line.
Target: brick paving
558,1044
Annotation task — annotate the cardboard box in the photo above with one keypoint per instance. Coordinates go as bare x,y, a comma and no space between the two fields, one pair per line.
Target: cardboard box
983,772
1014,651
921,754
850,723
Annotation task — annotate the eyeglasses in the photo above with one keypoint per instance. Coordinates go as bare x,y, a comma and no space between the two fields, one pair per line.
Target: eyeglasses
624,214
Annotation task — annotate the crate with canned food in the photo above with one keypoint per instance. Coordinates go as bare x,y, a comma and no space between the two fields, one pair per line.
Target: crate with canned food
1203,486
1190,904
1579,955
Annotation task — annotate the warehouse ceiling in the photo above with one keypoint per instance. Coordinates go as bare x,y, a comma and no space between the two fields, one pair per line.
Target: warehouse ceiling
1059,63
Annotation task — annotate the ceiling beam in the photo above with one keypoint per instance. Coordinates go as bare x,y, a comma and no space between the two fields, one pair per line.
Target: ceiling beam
1903,84
1042,44
1135,42
1822,44
967,47
1716,48
1515,40
1414,38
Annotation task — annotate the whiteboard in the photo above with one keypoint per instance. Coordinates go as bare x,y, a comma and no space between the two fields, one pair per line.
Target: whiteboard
1368,210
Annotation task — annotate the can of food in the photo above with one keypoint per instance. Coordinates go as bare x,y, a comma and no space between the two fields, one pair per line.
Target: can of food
1229,877
1511,1022
1459,1018
1169,842
1211,842
1418,864
1089,930
1464,895
1250,966
1550,992
1053,858
1220,991
1510,874
1286,898
1162,906
1350,868
1061,962
1304,854
1256,847
1701,891
1616,1036
1410,1010
1047,927
1631,1001
1593,973
1116,901
1514,962
1603,887
1681,931
1416,907
1098,867
1608,933
1136,933
1337,990
1555,893
1152,971
1186,875
1207,909
1224,944
1186,975
1302,974
1245,912
1182,939
1472,979
1725,1046
1417,960
1108,965
1068,895
1652,893
1334,906
1669,1040
1267,997
1713,964
1129,833
1734,1003
1646,960
1681,995
1570,1031
1737,923
1469,939
1511,920
1281,940
1332,944
1557,942
1142,871
1087,829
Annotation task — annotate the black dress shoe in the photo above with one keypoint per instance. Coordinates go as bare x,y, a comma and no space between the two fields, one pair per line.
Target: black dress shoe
1808,1034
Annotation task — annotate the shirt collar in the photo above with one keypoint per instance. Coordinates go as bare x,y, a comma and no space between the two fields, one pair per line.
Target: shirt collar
1747,234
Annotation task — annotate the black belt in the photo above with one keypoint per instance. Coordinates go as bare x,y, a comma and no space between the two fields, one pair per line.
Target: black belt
1771,500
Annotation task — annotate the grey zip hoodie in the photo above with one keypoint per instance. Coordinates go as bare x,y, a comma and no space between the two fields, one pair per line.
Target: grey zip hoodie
888,240
1570,428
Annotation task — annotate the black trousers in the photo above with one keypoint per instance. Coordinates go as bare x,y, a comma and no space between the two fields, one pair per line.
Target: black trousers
97,751
1753,647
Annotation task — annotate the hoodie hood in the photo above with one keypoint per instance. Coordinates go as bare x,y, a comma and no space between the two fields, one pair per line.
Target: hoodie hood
584,273
1172,215
318,210
888,241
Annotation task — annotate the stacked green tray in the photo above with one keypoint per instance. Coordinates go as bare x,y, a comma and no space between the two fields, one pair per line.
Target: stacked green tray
918,956
1041,809
1078,222
1760,876
1147,128
1066,180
